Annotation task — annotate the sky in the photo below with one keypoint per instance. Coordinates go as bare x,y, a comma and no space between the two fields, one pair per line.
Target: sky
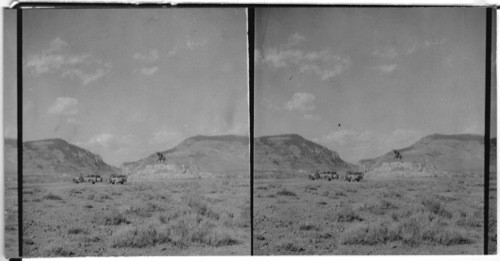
364,81
9,74
125,83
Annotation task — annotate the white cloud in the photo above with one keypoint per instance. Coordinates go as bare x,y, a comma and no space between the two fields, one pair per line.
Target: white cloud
311,117
386,53
173,51
294,39
388,68
192,44
269,105
57,58
165,139
420,45
302,102
73,121
348,136
433,42
474,128
257,55
102,140
324,63
10,131
239,128
107,140
148,62
64,106
87,77
400,138
151,56
136,116
149,70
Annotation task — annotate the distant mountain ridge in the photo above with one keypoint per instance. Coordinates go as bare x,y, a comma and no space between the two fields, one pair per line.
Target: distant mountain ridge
56,159
196,157
291,153
433,155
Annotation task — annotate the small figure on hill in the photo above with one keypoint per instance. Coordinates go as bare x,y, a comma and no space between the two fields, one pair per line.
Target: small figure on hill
316,175
398,155
160,156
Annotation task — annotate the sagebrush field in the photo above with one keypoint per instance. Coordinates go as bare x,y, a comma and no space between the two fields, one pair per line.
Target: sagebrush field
406,216
174,217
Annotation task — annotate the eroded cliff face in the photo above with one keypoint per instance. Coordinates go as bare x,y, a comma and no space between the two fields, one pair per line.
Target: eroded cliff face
435,155
195,157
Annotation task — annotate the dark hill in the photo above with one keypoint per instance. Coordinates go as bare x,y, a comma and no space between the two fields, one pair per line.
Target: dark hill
56,159
291,154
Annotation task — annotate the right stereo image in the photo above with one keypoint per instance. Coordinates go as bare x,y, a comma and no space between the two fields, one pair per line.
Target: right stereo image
369,132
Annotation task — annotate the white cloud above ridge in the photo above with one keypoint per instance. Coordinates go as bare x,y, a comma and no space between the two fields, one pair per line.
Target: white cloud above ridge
150,56
311,117
386,53
301,101
108,140
192,44
148,62
64,106
389,68
57,58
149,70
294,39
164,136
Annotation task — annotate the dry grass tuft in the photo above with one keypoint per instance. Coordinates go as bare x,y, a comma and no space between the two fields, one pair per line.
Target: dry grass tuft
51,196
77,230
285,192
346,214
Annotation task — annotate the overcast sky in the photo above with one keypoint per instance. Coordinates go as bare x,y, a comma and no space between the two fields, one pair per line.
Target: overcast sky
387,76
125,83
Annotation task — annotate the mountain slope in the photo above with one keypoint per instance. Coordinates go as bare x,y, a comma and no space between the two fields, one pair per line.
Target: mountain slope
195,157
291,153
60,160
434,155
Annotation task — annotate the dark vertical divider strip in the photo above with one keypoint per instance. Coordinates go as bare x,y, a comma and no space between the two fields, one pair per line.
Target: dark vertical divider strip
489,12
20,128
251,28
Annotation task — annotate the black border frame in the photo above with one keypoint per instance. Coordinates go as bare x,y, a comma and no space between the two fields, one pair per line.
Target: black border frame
20,128
490,11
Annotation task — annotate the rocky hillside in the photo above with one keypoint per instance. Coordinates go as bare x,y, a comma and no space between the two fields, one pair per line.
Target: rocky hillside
434,155
291,154
58,160
195,157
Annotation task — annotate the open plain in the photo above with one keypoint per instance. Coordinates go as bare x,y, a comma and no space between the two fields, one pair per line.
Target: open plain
175,217
402,216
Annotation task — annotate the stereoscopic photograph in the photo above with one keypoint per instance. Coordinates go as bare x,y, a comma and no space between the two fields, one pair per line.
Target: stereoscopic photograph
369,131
135,132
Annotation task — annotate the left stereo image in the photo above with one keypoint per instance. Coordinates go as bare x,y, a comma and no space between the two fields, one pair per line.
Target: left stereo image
135,132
